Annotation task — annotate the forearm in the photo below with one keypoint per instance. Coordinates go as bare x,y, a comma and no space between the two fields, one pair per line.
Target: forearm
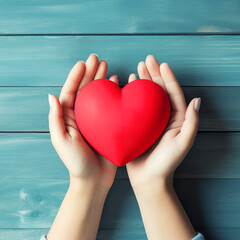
80,212
162,212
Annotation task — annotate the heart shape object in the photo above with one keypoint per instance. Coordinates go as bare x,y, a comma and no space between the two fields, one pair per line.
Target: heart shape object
122,123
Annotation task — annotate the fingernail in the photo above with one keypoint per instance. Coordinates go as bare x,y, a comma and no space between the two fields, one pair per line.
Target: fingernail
95,54
197,104
150,55
76,64
50,99
113,76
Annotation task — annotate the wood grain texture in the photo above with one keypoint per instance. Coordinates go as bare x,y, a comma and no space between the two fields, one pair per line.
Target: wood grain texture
153,16
40,41
32,156
118,234
26,109
210,203
47,60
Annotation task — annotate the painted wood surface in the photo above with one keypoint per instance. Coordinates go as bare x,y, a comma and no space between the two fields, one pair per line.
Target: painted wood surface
40,41
32,156
26,109
119,234
47,60
210,203
119,16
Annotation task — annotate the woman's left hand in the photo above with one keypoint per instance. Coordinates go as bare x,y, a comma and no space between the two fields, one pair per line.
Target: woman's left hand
82,161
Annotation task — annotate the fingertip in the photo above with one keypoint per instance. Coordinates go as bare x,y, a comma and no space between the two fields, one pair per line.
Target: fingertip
55,117
95,54
78,68
102,70
52,99
150,58
197,104
114,78
164,66
93,57
191,113
132,77
79,64
194,105
141,64
103,61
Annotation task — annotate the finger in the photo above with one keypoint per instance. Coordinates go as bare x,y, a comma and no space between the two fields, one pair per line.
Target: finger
132,77
91,69
114,78
67,95
56,122
189,128
173,88
143,71
102,70
154,70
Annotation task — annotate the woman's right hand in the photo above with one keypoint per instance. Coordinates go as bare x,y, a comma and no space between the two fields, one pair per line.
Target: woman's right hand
151,174
161,160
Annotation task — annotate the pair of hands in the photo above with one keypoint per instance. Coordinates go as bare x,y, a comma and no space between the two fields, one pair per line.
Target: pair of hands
157,163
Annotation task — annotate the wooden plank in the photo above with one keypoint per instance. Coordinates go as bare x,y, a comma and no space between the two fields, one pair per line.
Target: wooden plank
151,16
47,60
214,155
219,107
26,109
28,155
221,233
117,234
210,203
32,156
26,234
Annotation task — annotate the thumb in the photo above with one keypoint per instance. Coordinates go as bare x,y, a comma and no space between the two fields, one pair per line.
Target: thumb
56,122
189,128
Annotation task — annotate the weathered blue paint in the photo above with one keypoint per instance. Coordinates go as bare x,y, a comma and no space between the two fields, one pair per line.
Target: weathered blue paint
26,108
119,16
34,61
210,203
46,60
32,156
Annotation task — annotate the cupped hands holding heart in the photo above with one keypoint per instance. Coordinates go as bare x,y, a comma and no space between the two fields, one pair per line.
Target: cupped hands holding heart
145,125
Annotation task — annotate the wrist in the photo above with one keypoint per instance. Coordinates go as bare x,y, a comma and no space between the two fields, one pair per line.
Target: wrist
154,189
80,212
162,212
93,191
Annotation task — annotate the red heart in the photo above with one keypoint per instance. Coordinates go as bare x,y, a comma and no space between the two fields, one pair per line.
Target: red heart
122,123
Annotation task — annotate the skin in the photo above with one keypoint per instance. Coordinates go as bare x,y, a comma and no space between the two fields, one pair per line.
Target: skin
151,174
91,175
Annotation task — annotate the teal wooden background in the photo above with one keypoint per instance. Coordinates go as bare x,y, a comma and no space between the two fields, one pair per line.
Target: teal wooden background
39,43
